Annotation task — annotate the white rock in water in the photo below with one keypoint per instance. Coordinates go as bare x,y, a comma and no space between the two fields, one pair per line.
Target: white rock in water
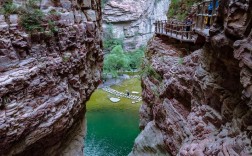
114,99
134,92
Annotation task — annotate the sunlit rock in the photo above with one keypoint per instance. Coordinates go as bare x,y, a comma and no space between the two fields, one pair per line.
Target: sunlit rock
133,19
114,99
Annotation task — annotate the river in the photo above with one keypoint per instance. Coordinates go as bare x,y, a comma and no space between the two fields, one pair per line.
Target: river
112,127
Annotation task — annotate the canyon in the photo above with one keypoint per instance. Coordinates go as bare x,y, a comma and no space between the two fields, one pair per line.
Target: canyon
196,98
200,104
46,78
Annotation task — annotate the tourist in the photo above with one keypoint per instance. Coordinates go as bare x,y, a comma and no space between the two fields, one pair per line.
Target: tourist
127,92
210,11
188,23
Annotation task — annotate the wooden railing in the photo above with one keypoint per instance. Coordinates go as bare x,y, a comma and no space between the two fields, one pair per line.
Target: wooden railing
204,19
175,29
201,24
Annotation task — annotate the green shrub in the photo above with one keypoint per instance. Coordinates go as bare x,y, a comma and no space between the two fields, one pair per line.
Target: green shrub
9,8
32,4
148,71
136,57
182,16
109,41
115,61
180,61
171,12
179,9
52,26
32,19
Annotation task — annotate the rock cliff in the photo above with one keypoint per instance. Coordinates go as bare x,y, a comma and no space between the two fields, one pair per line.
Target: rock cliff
45,79
201,103
133,20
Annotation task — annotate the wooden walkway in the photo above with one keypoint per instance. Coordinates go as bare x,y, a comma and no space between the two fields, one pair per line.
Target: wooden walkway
120,94
176,30
203,17
202,21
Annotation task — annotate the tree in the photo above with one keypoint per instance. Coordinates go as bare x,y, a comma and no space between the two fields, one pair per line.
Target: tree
109,41
135,58
115,61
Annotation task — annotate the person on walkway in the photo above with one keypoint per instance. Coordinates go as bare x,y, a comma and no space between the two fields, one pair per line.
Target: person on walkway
210,11
188,23
127,92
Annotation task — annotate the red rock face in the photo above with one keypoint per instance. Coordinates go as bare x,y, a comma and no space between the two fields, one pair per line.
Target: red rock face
202,104
45,80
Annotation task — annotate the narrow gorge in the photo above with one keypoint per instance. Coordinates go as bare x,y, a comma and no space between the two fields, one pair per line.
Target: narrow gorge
59,72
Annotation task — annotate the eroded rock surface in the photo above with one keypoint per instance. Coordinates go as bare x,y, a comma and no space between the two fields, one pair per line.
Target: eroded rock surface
149,142
134,20
202,103
45,79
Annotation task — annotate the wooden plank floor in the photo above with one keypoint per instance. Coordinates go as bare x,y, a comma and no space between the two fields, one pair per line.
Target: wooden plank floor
177,37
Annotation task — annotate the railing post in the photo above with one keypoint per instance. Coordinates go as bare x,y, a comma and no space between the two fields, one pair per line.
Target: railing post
182,32
165,27
171,28
176,28
213,12
162,27
197,20
160,23
214,6
202,16
155,26
190,30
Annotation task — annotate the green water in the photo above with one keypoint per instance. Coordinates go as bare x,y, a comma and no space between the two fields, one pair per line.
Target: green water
112,127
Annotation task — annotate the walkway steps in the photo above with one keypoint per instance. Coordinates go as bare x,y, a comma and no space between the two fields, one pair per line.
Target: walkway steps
120,94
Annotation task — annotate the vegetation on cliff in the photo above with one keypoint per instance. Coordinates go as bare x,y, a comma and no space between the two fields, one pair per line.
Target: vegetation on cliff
109,39
180,9
9,8
32,19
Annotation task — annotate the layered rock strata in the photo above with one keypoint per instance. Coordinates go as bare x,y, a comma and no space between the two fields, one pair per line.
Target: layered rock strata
134,20
45,79
202,103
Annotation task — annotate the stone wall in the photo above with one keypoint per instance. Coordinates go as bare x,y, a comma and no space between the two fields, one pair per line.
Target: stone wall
134,20
45,79
202,104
